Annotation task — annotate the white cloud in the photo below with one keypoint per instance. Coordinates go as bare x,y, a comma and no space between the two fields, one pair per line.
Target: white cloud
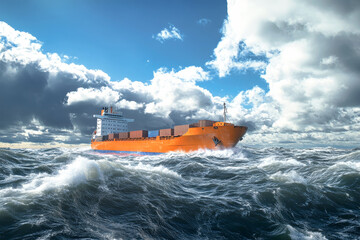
311,58
169,33
23,48
177,91
125,104
103,96
133,86
168,91
254,108
107,96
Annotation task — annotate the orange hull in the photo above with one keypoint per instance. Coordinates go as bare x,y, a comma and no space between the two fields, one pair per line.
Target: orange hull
214,137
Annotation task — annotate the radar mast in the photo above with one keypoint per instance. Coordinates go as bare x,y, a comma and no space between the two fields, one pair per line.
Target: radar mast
225,111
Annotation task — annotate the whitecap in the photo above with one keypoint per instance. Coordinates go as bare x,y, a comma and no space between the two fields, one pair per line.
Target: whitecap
233,168
153,169
304,235
272,161
349,164
289,177
224,153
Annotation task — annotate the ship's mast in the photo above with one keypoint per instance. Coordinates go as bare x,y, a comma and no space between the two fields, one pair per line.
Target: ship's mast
225,111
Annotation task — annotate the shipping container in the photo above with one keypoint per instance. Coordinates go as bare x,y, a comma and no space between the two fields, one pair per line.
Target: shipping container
153,133
139,134
105,137
181,129
111,136
123,135
166,132
206,123
193,125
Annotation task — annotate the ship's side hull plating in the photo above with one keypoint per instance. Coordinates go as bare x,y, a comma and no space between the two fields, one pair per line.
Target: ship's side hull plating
214,137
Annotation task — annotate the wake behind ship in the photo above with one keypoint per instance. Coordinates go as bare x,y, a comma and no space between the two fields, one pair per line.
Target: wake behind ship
112,135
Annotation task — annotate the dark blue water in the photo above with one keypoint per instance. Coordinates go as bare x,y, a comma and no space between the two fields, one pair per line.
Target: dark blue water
244,193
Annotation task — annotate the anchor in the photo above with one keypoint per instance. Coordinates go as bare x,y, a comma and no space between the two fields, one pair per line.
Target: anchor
216,141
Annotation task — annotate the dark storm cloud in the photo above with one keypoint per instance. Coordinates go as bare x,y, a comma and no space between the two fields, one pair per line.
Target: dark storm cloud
29,93
26,92
146,121
20,92
346,48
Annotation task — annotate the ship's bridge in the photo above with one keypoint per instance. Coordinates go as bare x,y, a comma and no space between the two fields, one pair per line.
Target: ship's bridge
111,122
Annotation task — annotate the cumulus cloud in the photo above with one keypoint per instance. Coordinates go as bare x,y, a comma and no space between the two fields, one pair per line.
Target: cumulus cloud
104,95
308,53
107,96
167,96
169,33
254,108
177,91
125,104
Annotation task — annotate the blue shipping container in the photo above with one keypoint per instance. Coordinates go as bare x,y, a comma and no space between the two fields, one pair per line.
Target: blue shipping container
153,133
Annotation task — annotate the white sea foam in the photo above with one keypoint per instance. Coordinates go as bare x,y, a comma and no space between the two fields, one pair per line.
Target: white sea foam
304,235
233,168
225,153
289,177
153,169
272,161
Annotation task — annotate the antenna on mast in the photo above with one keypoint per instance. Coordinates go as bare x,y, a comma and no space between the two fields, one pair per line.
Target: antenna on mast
225,111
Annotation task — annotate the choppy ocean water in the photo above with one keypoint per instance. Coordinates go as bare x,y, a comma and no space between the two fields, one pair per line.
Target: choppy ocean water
243,193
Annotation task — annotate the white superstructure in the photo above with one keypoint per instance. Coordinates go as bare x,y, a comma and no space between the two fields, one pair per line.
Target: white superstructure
111,122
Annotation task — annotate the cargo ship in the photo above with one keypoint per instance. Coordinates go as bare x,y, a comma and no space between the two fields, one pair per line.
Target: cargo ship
112,135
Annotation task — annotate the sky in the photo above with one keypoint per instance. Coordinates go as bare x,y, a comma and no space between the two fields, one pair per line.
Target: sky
289,70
